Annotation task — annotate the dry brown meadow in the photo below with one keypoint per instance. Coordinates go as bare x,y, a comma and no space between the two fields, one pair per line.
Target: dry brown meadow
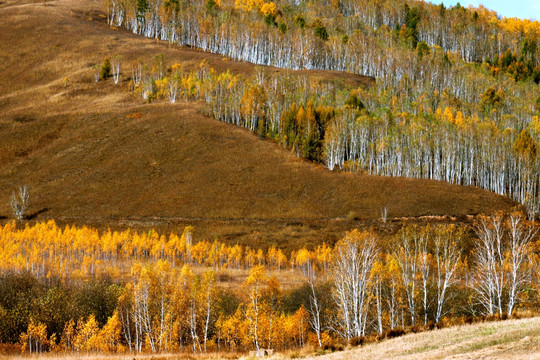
88,160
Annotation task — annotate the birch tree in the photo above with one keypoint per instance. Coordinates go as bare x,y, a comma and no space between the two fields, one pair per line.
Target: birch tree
208,294
409,256
19,202
255,308
115,68
447,254
489,259
520,237
354,258
314,309
501,260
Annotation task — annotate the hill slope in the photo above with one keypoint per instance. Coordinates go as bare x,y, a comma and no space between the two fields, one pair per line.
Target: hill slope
514,339
511,340
92,154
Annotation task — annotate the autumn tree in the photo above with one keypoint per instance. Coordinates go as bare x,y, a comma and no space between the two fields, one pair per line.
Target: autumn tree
411,255
255,309
115,68
354,259
87,334
19,202
447,256
521,235
35,338
501,261
106,68
207,300
110,335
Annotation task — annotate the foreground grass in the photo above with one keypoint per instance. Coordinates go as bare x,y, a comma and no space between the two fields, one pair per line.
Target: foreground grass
514,339
509,340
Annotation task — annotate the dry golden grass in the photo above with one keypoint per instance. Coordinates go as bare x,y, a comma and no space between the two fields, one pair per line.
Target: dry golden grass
509,340
88,160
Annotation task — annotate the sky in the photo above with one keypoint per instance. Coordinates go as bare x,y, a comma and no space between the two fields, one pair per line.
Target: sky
524,9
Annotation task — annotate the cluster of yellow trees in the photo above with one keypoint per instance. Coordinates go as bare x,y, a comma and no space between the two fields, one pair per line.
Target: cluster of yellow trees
166,309
172,299
163,309
47,250
84,336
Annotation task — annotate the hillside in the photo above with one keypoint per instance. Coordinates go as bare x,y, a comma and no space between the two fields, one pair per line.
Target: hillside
454,98
94,154
512,340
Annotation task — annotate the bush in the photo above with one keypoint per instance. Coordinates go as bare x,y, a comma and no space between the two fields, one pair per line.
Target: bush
357,341
98,296
392,333
19,295
354,102
106,68
299,21
352,216
334,346
320,30
211,7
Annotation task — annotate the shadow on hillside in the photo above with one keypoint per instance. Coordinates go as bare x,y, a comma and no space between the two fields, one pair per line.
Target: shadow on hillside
36,214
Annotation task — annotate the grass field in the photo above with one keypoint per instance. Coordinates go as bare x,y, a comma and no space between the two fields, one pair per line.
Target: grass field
89,160
510,340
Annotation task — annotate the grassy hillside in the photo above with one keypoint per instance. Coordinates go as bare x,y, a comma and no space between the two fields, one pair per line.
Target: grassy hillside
511,340
93,154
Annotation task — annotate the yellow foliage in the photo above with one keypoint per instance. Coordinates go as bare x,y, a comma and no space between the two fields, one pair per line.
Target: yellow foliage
521,27
535,125
68,336
87,338
449,115
268,9
176,67
257,277
35,338
459,119
265,8
109,336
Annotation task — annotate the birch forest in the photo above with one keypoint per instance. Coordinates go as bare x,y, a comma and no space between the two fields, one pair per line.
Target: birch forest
455,94
77,289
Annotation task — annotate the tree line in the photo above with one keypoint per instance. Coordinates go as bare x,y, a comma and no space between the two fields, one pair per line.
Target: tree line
167,298
346,36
